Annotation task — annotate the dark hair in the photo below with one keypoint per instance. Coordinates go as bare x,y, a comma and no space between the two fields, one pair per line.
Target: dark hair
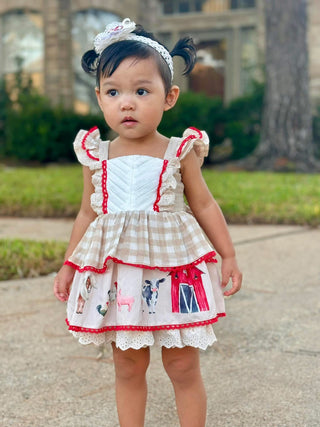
109,60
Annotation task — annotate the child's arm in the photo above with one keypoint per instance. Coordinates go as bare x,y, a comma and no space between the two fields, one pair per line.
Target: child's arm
86,215
209,215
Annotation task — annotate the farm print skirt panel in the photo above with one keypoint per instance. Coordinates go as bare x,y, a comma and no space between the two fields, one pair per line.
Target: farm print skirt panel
136,307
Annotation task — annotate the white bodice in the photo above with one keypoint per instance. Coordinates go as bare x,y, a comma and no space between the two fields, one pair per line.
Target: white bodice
132,183
137,182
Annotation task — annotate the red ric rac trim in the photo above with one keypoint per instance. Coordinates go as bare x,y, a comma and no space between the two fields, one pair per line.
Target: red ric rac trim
209,257
143,328
183,143
104,187
164,167
196,130
83,143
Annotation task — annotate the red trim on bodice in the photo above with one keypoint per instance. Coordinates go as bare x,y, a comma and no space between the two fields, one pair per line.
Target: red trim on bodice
156,203
83,143
105,194
188,138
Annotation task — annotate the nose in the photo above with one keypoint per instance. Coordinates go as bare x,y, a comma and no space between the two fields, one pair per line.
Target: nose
126,104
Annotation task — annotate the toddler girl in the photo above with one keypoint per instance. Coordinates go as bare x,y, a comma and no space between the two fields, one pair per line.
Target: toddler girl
140,261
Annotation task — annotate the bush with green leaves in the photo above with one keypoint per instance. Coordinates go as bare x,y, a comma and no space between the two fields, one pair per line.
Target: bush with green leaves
32,130
316,131
238,122
242,122
197,110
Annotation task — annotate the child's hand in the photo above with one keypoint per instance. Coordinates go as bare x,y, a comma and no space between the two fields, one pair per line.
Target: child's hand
62,283
230,269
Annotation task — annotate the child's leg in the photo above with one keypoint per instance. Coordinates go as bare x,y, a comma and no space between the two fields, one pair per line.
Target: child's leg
131,386
183,367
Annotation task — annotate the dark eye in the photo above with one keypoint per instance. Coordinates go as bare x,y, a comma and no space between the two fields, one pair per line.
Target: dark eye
142,92
112,92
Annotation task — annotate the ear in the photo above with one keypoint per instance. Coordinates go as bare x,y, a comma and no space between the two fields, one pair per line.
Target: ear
171,98
97,90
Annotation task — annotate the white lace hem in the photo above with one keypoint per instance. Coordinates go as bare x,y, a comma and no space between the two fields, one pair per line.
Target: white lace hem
199,337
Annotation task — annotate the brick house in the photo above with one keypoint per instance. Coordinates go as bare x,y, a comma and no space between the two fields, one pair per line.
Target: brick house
49,37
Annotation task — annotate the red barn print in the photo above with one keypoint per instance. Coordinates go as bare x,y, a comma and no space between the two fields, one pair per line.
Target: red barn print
187,291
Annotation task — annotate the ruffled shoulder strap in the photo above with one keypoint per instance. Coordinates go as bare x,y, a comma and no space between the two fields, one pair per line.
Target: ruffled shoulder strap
196,139
87,147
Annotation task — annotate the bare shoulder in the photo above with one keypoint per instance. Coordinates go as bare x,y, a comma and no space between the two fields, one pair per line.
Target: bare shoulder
190,165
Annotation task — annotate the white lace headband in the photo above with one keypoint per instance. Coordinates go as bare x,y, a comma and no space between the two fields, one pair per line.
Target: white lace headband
117,31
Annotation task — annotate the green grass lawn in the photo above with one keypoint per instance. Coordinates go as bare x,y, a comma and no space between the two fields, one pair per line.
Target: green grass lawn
25,258
40,192
267,198
55,191
245,197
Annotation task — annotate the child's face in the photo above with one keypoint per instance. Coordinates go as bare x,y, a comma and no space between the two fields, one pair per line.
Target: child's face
133,98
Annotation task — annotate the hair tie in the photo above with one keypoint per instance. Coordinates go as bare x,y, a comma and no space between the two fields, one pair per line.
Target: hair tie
117,31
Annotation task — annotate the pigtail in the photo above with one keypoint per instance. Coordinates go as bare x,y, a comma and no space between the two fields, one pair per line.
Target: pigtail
89,61
186,49
140,31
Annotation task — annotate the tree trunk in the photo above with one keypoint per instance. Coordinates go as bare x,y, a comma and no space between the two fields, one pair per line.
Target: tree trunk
286,136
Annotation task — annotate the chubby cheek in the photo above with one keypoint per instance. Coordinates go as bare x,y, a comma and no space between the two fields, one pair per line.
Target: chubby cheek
107,109
110,119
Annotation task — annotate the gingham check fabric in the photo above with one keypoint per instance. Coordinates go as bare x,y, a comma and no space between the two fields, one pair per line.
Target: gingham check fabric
168,238
163,240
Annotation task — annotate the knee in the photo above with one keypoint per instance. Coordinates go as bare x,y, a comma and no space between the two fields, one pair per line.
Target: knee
131,364
182,368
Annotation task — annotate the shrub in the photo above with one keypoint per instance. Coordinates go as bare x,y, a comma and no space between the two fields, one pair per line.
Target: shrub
44,134
243,122
316,132
198,110
32,130
238,122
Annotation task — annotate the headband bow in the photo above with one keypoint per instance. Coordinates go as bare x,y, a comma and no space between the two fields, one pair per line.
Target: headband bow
118,31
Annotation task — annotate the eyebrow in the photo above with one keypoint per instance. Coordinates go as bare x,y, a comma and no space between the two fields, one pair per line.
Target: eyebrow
138,82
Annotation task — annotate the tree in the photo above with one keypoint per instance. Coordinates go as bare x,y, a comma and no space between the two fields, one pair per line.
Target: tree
286,135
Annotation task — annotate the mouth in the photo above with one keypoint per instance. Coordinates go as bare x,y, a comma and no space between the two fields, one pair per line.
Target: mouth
128,120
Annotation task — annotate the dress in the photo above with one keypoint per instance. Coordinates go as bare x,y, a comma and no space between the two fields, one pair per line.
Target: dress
145,271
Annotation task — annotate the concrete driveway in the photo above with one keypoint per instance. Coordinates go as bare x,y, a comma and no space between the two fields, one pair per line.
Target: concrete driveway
264,370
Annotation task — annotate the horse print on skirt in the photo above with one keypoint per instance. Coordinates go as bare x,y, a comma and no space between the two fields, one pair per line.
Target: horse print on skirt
84,293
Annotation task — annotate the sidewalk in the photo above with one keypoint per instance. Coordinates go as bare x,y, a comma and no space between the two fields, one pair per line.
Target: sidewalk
264,370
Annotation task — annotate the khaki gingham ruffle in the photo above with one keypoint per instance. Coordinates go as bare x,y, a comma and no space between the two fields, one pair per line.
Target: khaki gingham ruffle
163,240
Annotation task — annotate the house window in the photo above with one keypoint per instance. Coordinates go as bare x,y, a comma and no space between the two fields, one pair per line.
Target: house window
85,26
181,6
208,75
22,45
184,6
168,7
207,6
249,59
242,4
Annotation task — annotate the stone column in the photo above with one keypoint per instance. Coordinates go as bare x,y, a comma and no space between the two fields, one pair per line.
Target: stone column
233,64
314,50
58,68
